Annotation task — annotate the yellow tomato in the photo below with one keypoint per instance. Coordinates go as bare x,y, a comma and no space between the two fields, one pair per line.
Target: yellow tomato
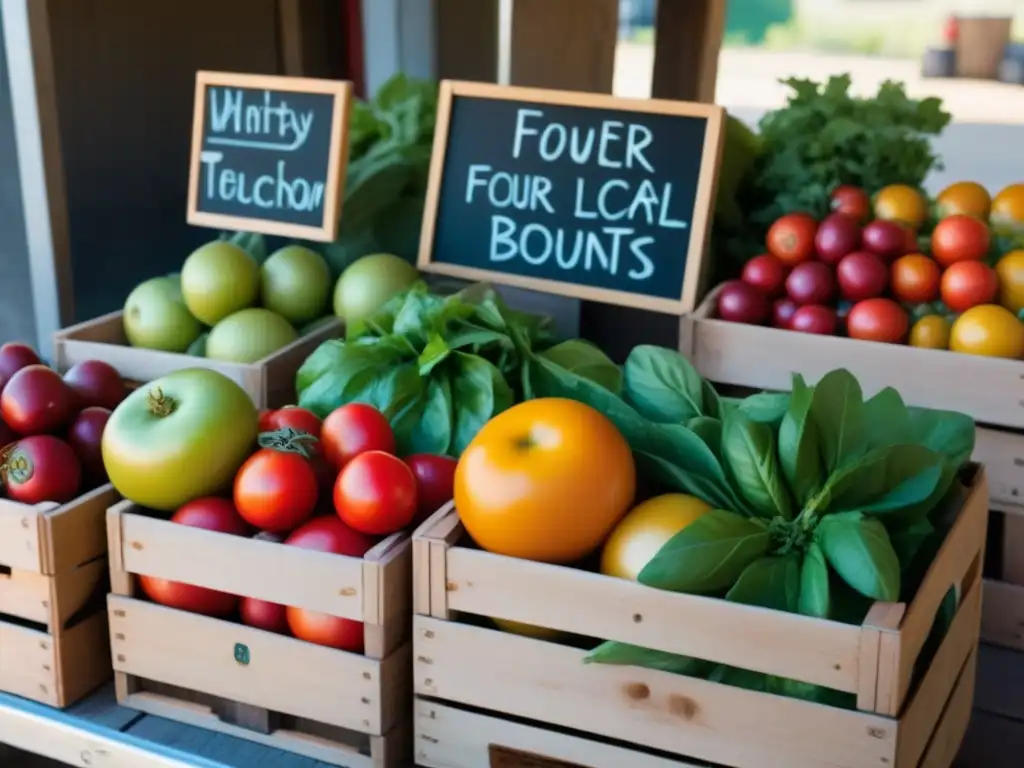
546,480
645,528
527,630
1010,271
930,332
902,203
1007,217
988,330
966,197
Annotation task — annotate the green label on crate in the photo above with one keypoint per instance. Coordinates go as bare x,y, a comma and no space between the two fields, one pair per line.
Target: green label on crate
242,653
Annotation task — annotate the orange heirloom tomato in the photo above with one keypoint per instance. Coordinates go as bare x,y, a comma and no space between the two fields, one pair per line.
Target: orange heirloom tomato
960,238
967,284
915,278
546,480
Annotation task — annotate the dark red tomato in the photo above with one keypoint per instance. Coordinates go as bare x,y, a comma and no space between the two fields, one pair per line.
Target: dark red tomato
14,357
276,490
887,239
212,514
96,383
328,534
861,275
811,283
42,468
435,482
353,429
791,238
783,311
767,273
376,494
814,318
36,400
263,615
877,320
290,416
84,436
852,201
740,302
837,236
7,435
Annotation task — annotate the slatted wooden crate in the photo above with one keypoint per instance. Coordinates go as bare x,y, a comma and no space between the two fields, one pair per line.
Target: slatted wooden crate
53,575
486,697
270,382
341,708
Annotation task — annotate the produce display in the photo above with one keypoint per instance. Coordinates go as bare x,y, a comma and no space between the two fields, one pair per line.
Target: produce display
193,445
883,270
51,427
816,502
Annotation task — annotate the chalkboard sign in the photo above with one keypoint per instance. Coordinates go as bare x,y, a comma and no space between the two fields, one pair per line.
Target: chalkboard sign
578,194
268,154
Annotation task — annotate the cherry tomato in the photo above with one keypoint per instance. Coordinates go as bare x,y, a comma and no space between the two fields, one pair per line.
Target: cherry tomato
213,514
853,201
376,493
276,490
264,615
967,284
767,273
915,279
97,384
791,238
36,400
877,320
85,436
42,468
960,238
327,534
290,416
354,429
435,482
13,357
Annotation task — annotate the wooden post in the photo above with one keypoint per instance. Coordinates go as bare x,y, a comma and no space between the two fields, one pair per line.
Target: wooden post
688,39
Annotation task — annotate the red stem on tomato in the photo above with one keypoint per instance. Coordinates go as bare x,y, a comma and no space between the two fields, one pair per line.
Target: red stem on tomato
288,440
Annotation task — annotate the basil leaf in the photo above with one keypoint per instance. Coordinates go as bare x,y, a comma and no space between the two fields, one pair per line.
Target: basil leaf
887,420
947,432
859,550
614,652
770,582
708,555
479,392
798,445
886,480
711,401
433,432
739,678
709,430
662,385
749,452
814,584
337,370
766,407
908,540
585,359
837,409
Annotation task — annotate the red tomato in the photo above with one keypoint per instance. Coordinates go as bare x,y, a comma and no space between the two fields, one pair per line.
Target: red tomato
276,490
354,429
85,435
767,273
14,357
212,514
791,238
290,416
263,615
853,201
96,383
328,534
960,238
967,284
877,320
36,400
376,493
915,278
435,482
42,468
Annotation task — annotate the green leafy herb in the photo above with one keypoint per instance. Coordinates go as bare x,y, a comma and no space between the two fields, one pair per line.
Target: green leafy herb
837,410
662,386
770,582
859,549
749,450
799,451
614,652
815,597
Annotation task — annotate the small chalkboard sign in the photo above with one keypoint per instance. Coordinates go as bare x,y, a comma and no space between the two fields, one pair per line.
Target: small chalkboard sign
268,154
577,194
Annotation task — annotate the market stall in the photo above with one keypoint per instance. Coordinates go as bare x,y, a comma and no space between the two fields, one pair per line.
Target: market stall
336,458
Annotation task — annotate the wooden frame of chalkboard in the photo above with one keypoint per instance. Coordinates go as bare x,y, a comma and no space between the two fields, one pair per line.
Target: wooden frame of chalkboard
326,229
699,227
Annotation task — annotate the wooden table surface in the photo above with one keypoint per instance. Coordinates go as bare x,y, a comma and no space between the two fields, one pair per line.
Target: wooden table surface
994,740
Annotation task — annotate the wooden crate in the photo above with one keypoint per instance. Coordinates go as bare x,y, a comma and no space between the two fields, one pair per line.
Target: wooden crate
989,389
53,575
270,382
1003,611
485,697
341,708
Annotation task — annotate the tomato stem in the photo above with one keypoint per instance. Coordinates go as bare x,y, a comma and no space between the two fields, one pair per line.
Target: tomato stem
159,404
288,440
15,466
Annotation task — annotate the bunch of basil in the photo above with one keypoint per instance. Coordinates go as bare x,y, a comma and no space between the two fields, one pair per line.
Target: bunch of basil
440,367
823,500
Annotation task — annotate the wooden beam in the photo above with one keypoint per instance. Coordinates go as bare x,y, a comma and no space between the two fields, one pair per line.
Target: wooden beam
687,41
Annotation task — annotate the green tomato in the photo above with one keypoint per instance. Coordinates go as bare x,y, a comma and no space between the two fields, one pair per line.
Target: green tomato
249,336
155,317
218,279
178,438
368,283
295,282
